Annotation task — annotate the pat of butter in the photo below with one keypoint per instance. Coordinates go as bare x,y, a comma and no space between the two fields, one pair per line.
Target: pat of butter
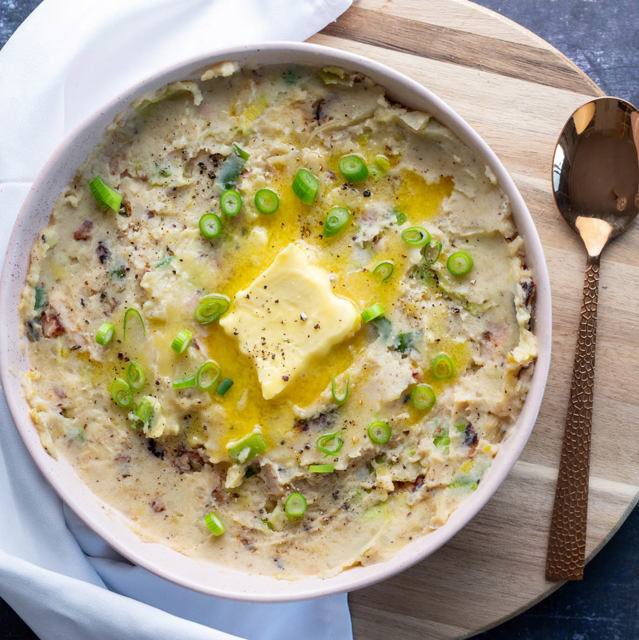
287,316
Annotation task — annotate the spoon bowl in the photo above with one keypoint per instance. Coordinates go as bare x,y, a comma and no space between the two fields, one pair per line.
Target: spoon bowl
595,180
595,170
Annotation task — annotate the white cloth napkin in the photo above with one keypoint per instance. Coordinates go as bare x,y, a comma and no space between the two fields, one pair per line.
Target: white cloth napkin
64,61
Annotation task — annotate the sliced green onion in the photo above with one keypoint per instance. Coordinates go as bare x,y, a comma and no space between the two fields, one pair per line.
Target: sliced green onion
135,375
382,162
105,333
127,315
246,448
305,186
224,386
353,168
105,196
442,367
384,270
375,311
215,525
267,201
212,307
231,202
332,75
407,341
295,506
40,298
184,382
143,413
245,155
400,216
321,468
340,399
379,432
383,327
442,439
464,482
181,341
231,168
336,220
432,251
422,397
290,76
164,262
210,225
207,375
461,426
415,236
329,444
380,168
459,263
121,393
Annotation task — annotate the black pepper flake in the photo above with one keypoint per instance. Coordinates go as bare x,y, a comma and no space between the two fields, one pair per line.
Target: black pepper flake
367,193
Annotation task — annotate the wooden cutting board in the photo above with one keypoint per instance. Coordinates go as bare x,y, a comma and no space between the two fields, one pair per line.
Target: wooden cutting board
516,91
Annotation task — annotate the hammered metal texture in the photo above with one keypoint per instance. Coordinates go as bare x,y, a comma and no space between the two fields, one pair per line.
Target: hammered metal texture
567,542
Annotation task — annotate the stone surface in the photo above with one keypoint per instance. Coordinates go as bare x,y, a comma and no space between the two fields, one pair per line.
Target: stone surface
600,36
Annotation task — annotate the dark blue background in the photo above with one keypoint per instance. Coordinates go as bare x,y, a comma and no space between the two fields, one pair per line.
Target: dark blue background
602,38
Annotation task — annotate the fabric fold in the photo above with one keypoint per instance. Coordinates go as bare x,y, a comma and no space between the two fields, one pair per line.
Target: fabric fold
66,60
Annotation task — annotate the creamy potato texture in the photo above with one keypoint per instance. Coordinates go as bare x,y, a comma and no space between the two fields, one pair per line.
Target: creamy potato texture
318,340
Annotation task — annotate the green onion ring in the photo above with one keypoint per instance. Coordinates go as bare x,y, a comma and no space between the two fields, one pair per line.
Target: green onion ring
374,311
336,397
325,443
136,314
336,220
121,393
459,263
384,270
246,448
211,307
379,432
135,375
181,341
105,334
143,413
415,236
422,397
295,506
105,196
432,251
210,225
214,524
353,168
442,367
207,375
267,201
305,186
231,202
184,382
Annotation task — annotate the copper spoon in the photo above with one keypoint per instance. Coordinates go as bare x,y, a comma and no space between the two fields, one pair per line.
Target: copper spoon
595,179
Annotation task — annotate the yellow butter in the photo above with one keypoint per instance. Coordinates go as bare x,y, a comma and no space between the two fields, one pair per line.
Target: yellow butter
287,316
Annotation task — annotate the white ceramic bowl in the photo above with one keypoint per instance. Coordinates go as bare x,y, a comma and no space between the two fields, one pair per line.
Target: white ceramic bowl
208,577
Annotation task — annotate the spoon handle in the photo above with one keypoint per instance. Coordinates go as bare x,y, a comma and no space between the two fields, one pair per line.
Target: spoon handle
567,543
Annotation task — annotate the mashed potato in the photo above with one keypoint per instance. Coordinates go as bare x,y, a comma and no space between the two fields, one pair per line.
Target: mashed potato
347,364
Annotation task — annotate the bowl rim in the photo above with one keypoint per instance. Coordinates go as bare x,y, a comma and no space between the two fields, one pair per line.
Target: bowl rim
246,586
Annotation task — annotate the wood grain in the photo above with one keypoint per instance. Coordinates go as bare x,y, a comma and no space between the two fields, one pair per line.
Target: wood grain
516,91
